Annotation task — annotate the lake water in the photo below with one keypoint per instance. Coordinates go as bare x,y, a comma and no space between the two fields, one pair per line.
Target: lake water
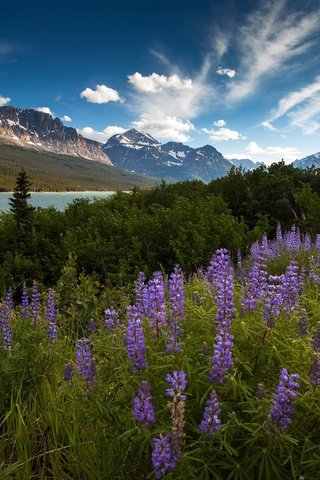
59,200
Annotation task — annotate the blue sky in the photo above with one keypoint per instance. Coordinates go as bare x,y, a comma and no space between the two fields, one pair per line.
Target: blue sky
243,76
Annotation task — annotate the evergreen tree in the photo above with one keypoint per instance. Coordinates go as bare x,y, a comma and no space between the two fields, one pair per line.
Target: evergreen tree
19,206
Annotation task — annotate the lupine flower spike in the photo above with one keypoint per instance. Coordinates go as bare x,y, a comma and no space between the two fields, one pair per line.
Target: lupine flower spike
282,411
5,327
163,459
35,302
84,361
51,315
25,301
135,339
178,384
143,410
211,422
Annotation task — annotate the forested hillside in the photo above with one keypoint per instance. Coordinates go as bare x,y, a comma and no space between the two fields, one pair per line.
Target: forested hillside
155,229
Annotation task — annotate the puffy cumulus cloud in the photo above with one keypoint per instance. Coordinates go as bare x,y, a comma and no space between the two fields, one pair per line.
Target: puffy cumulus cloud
4,101
66,118
268,126
103,136
219,123
271,154
222,134
274,38
228,72
44,110
166,127
102,94
155,83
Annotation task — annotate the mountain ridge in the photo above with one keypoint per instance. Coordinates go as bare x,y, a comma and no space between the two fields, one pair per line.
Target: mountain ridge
39,131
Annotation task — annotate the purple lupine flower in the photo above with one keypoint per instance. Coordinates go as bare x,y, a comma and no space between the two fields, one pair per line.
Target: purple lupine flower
135,338
221,361
51,315
302,279
223,279
25,301
316,339
273,301
163,459
317,241
5,326
156,302
211,422
68,372
260,394
178,383
307,243
290,287
142,297
177,306
111,319
315,372
143,409
35,301
9,298
256,283
303,323
92,326
84,361
281,411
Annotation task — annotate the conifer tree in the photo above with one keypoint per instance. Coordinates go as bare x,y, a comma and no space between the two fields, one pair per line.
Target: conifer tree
19,206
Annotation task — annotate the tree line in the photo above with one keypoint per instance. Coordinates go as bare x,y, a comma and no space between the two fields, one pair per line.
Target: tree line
154,229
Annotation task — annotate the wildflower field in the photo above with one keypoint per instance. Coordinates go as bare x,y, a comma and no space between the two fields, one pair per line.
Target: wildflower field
215,376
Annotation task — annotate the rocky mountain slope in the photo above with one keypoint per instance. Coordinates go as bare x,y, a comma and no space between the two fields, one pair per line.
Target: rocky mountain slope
141,153
308,162
39,131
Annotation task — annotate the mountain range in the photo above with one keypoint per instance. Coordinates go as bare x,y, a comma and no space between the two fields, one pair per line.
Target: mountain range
132,151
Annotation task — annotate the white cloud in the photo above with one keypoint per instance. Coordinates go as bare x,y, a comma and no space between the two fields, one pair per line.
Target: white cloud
219,123
268,126
102,94
307,117
167,113
269,40
66,118
295,98
271,154
4,101
222,134
155,83
225,134
229,72
165,127
103,136
44,110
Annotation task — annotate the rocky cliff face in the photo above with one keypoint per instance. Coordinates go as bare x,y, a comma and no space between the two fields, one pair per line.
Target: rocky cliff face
141,153
40,131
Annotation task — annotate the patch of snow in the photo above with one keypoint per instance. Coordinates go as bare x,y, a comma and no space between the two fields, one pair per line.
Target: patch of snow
169,163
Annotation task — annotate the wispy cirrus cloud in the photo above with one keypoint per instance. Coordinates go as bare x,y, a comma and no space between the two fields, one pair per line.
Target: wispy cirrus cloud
270,39
301,107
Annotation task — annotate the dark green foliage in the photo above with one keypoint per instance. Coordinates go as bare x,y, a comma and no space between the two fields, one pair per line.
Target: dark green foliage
157,228
19,205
